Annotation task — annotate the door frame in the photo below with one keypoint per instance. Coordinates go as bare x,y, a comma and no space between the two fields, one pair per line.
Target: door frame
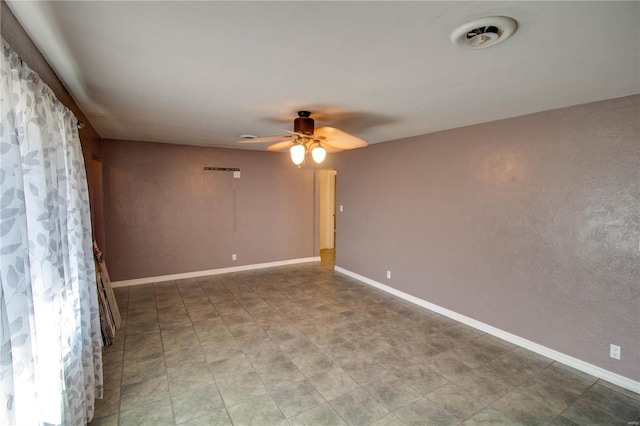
329,203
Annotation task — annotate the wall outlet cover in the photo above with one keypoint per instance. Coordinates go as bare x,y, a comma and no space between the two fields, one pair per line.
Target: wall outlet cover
614,351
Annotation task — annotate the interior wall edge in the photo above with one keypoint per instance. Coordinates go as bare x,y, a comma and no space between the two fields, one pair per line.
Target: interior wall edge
560,357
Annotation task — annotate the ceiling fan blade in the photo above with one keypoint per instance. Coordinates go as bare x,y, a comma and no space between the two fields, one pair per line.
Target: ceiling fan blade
267,139
330,149
280,146
339,139
302,135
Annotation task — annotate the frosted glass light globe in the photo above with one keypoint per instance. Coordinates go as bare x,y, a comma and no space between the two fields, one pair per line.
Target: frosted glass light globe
297,154
318,153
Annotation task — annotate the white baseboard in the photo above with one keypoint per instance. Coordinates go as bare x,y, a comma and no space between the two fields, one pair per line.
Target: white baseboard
198,274
578,364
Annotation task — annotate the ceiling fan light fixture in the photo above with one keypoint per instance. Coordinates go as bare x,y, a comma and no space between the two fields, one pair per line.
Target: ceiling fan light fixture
306,139
318,153
298,152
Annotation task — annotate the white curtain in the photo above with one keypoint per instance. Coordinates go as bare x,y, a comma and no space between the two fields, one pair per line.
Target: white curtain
50,341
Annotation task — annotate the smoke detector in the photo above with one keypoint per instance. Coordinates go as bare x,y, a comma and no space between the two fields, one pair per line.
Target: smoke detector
484,32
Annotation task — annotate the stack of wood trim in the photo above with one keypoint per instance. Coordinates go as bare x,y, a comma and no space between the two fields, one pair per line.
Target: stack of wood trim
110,319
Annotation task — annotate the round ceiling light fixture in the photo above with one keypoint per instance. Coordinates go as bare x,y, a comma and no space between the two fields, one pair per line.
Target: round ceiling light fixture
484,32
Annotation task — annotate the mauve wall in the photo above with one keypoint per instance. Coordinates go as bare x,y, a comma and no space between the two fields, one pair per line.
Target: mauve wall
165,215
529,224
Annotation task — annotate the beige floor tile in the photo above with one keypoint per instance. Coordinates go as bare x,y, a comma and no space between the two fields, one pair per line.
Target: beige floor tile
273,345
258,412
217,417
234,366
196,403
241,388
489,417
142,393
333,383
155,414
455,400
556,398
139,370
389,420
294,398
392,392
109,404
111,420
421,378
322,415
423,412
359,407
621,404
313,363
522,408
183,379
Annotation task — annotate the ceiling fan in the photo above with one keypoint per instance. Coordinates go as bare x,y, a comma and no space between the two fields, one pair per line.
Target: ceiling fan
306,138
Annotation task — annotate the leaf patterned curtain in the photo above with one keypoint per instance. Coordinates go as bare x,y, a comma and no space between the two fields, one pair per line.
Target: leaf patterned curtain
50,341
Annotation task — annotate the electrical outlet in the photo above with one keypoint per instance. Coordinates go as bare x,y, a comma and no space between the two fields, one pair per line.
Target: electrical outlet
388,275
234,257
614,351
341,208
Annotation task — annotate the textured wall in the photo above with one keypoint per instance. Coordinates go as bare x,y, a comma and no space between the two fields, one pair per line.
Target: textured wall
166,215
529,224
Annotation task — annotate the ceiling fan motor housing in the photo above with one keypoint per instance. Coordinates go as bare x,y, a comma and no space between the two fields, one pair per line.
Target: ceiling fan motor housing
304,123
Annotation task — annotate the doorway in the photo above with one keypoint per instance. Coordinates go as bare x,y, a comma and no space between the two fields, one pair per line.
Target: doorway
327,180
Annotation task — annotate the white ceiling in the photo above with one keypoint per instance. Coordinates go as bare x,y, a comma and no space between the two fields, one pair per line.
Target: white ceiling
203,73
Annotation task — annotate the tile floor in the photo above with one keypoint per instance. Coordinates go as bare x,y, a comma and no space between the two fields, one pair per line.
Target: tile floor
303,345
